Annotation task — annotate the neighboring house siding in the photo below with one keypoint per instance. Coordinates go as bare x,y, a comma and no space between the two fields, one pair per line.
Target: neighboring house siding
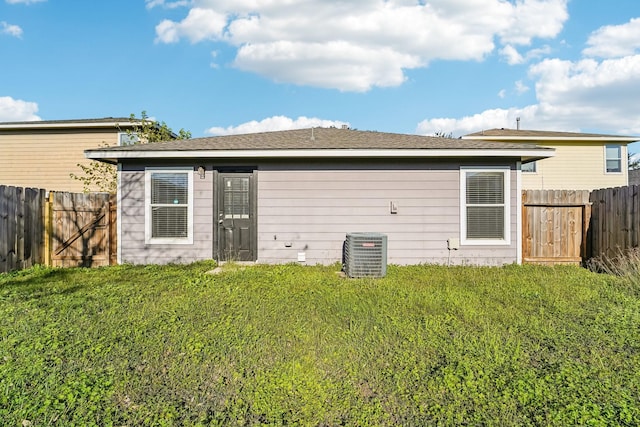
574,167
131,212
45,159
310,208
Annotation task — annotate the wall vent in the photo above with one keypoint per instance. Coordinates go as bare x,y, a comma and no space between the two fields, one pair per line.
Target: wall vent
365,255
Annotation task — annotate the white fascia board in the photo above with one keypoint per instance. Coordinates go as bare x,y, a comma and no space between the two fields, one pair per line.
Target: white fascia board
68,125
316,153
542,139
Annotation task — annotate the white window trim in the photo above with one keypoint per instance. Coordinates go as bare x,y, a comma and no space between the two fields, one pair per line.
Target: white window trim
506,173
622,157
147,208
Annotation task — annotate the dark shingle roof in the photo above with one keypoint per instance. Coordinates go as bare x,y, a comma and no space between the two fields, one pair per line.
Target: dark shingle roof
321,139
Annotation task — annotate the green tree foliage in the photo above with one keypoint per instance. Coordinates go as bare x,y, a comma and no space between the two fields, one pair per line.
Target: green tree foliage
99,176
634,163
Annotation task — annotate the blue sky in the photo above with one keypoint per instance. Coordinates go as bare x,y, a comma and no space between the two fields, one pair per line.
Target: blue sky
410,66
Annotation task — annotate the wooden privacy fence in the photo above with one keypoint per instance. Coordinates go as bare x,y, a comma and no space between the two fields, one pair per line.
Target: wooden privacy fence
554,226
22,225
83,229
61,230
615,220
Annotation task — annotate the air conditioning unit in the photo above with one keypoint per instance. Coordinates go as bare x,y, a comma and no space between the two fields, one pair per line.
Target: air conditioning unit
365,255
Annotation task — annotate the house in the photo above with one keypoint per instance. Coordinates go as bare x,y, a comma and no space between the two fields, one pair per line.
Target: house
583,161
43,154
291,196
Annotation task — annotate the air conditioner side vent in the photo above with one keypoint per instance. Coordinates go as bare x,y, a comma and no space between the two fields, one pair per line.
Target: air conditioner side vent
365,255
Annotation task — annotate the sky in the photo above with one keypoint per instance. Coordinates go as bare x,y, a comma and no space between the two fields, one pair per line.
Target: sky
217,67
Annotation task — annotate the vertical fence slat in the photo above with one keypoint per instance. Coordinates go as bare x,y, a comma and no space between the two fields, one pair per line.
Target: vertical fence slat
4,228
556,230
615,220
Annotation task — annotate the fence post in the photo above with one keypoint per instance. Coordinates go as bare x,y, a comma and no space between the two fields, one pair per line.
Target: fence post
48,229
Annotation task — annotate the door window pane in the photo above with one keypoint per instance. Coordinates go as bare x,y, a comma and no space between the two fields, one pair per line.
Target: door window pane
236,198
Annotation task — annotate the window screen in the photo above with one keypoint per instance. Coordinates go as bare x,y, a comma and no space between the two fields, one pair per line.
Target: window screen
485,205
169,204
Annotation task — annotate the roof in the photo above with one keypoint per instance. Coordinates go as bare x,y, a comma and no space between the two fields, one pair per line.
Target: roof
320,142
105,122
503,134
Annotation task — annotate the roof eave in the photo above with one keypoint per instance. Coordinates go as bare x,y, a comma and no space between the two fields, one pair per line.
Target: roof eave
516,138
524,154
69,125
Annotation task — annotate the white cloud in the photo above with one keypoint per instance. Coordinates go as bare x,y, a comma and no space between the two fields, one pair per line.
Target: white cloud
521,87
513,57
360,44
488,119
166,4
199,25
17,110
511,54
586,94
534,18
12,30
571,96
502,93
273,124
24,1
615,41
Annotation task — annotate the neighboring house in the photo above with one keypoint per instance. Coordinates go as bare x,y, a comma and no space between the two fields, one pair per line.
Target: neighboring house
43,154
291,196
583,161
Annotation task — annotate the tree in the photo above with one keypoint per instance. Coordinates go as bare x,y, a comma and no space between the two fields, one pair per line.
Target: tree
442,134
634,161
99,176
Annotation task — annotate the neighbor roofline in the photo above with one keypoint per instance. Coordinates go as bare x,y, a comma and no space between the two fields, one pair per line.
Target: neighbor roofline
513,137
69,124
526,154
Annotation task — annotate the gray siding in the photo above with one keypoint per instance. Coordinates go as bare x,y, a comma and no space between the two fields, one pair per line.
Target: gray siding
132,246
310,208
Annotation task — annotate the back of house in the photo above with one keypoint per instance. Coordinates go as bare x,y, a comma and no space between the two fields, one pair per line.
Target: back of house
293,196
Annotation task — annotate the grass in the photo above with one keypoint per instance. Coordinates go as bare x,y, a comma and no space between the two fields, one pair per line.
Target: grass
294,345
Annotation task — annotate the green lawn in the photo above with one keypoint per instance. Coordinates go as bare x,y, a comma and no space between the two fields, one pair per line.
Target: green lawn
293,345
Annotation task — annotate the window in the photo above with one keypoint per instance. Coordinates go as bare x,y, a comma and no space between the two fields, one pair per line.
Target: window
529,167
169,206
128,138
484,202
613,158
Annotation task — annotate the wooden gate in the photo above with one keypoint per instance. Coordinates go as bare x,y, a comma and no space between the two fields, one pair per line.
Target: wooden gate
554,226
82,229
